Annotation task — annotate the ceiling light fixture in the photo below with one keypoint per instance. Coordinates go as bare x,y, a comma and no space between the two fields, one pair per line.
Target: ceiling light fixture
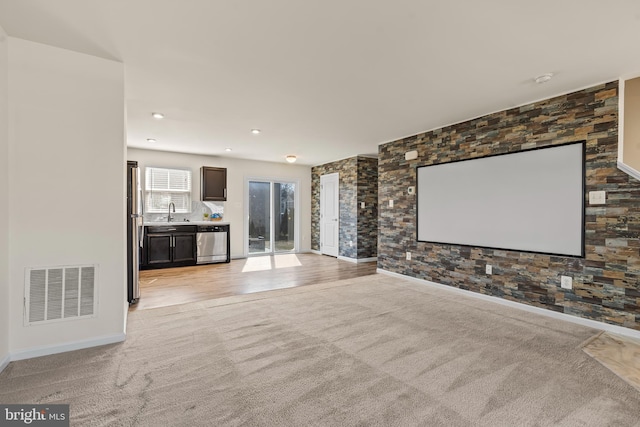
151,140
291,158
157,116
255,131
543,78
227,149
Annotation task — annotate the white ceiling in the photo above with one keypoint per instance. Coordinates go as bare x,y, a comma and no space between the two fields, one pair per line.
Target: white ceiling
326,80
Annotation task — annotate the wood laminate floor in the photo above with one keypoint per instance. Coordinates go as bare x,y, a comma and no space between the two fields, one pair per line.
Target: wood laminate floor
620,354
171,286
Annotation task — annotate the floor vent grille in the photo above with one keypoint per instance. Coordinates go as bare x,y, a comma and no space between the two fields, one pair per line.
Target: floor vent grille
60,293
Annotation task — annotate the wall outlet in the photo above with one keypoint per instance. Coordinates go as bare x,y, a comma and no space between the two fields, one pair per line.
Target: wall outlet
597,197
362,205
350,243
408,256
566,282
390,203
488,269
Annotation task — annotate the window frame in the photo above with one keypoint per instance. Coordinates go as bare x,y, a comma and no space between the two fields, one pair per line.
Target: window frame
168,193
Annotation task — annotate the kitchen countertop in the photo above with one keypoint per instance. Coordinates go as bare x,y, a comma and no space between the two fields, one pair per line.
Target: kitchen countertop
176,223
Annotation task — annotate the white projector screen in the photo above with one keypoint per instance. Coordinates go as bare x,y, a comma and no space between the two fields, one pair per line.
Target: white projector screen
529,201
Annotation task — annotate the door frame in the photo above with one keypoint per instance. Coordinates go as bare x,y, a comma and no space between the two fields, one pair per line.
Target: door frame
337,203
296,217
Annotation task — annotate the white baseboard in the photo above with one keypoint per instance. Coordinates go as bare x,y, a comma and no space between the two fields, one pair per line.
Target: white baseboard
76,345
357,260
619,330
5,362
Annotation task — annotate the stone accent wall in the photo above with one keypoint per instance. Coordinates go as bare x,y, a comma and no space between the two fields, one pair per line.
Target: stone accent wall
368,217
358,182
348,170
605,283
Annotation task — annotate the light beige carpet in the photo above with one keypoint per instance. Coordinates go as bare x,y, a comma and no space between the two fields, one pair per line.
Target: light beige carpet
369,351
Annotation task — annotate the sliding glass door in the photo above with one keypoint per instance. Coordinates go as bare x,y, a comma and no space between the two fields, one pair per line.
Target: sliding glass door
272,216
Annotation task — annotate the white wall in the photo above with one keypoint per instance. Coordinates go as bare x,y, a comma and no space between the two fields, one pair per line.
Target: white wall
237,170
4,206
631,129
66,186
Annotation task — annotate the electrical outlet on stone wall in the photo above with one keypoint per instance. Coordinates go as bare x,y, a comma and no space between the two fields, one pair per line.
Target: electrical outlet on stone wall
566,282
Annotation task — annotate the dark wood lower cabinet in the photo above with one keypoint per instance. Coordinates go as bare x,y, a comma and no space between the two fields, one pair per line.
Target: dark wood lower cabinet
184,248
163,248
159,248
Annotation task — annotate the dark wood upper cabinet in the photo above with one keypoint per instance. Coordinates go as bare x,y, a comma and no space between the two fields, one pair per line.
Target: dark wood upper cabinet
213,184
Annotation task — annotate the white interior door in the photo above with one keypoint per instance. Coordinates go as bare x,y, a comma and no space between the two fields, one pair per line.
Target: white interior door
329,214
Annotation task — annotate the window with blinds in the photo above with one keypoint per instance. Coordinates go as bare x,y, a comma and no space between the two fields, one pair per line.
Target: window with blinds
163,186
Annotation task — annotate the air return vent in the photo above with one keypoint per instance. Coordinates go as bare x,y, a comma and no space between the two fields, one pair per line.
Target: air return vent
60,293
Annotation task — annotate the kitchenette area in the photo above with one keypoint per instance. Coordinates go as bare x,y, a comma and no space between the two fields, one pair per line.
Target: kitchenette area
198,222
188,232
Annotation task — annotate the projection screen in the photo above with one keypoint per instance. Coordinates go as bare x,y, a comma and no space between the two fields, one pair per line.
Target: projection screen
529,201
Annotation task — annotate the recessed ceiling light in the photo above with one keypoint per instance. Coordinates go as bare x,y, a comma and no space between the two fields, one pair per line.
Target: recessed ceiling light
543,78
255,131
151,140
227,149
291,158
157,116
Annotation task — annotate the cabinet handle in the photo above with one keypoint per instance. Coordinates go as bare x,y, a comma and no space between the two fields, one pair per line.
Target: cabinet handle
225,193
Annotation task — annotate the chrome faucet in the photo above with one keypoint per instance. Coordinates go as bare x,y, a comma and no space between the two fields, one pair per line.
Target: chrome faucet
169,217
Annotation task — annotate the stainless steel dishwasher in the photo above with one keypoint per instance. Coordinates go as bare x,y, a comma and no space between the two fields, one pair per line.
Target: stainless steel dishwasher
212,244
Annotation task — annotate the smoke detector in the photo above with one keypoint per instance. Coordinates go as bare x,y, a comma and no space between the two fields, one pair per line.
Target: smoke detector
543,78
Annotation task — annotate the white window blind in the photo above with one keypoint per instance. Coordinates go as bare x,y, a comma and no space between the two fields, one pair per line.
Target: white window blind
164,186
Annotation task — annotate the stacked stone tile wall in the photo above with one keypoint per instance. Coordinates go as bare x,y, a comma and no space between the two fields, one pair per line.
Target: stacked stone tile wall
358,227
348,171
605,282
368,216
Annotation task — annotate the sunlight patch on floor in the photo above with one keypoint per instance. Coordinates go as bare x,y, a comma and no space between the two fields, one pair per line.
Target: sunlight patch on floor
289,260
259,263
262,263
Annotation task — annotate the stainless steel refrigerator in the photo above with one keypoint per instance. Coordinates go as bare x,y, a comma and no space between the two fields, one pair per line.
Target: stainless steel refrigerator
134,231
